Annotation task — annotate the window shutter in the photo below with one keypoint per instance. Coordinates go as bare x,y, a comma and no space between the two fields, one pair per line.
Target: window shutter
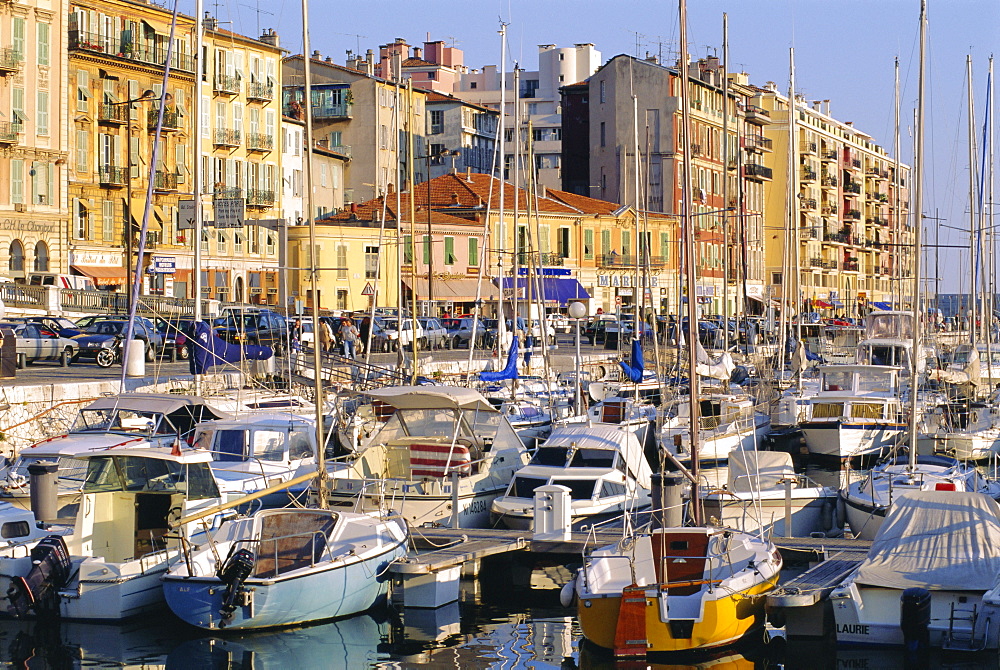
17,180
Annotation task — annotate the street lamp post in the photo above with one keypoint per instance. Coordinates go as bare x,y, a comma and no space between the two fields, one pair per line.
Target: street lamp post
146,95
430,249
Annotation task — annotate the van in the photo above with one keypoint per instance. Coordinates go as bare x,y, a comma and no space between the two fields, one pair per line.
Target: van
62,281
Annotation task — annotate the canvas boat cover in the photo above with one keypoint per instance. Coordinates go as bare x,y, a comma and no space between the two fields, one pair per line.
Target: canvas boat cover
605,437
937,540
751,471
432,397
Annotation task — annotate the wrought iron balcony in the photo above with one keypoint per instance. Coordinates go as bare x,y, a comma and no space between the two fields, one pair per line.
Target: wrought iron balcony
260,198
808,147
226,137
757,115
80,40
226,84
221,192
852,188
757,142
336,110
112,175
829,181
259,142
165,181
830,155
808,203
808,175
757,172
260,91
853,214
10,60
171,119
9,132
112,114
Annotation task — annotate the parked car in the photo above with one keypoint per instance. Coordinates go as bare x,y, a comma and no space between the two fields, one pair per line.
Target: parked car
560,323
102,341
460,332
596,330
396,337
435,334
254,326
174,337
37,343
83,322
57,324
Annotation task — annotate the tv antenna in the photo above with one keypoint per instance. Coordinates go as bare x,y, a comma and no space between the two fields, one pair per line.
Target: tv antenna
256,8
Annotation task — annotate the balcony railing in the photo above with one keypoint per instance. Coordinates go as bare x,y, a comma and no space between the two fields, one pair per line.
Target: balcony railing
260,198
226,137
830,181
165,181
851,266
261,91
854,188
171,119
226,192
259,142
336,110
112,175
823,263
830,210
10,60
753,170
226,84
853,214
830,155
757,142
9,132
758,115
629,260
839,238
114,114
808,175
809,147
808,203
80,40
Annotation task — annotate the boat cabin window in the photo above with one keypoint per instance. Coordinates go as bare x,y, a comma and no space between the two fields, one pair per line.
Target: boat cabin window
870,382
579,489
593,458
524,487
117,420
13,529
69,468
550,456
610,489
887,355
136,473
837,380
269,445
299,444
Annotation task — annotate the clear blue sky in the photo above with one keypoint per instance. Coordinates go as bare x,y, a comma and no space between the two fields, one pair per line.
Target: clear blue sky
844,52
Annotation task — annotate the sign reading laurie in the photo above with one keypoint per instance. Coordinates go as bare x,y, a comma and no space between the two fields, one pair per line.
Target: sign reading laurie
229,212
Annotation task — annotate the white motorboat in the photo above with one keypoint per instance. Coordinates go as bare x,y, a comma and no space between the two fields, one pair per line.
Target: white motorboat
869,499
856,412
728,421
281,567
967,429
442,457
604,468
761,488
936,559
128,419
108,567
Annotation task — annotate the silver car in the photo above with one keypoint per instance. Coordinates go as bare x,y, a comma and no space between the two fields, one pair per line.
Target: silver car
35,342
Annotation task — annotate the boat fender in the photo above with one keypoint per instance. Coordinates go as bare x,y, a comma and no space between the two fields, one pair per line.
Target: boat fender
568,593
841,512
828,514
915,619
233,573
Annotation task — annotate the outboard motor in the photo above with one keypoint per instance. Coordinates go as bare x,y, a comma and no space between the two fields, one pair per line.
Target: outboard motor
50,570
915,620
233,573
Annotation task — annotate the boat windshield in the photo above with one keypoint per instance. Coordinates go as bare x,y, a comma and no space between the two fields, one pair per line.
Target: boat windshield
262,444
74,469
593,458
550,456
139,473
876,382
119,420
579,489
480,427
837,380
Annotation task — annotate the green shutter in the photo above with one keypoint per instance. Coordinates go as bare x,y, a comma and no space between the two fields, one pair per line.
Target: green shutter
473,252
449,251
427,249
588,244
43,44
605,242
407,249
17,180
664,247
18,41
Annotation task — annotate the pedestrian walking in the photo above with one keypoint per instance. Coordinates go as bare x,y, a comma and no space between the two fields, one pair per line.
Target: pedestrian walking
349,335
325,337
365,330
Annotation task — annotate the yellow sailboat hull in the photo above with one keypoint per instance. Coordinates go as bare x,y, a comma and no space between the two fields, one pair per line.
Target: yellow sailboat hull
725,620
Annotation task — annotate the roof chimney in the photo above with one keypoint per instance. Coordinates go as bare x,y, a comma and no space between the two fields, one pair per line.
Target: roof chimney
270,36
316,54
417,53
209,23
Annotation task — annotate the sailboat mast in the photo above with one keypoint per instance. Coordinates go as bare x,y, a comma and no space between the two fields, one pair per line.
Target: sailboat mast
725,184
313,262
515,262
501,241
897,288
690,270
793,201
415,324
973,326
196,174
639,286
990,234
917,214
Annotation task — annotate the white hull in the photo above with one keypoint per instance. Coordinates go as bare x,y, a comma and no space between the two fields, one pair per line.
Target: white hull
809,513
716,445
847,440
970,446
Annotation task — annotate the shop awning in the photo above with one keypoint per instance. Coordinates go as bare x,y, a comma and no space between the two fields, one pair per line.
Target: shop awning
562,290
882,305
137,211
822,304
102,275
454,290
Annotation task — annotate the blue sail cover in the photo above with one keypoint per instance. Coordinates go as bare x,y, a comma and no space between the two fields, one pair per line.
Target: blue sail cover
634,371
509,372
209,350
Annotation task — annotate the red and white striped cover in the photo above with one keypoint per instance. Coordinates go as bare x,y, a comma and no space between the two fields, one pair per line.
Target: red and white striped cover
431,460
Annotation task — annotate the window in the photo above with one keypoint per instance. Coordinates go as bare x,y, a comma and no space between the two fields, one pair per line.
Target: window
17,180
473,85
108,221
206,116
664,247
449,251
42,47
82,154
17,105
473,252
341,261
82,90
222,242
407,249
42,113
437,122
341,298
238,242
588,244
563,242
603,97
776,278
626,243
427,249
81,220
371,262
17,30
41,257
603,134
605,242
16,262
543,239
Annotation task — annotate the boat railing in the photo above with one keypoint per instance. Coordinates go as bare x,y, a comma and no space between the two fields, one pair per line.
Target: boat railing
289,552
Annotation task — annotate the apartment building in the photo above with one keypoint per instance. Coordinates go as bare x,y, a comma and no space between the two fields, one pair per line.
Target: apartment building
363,117
34,206
851,206
461,136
